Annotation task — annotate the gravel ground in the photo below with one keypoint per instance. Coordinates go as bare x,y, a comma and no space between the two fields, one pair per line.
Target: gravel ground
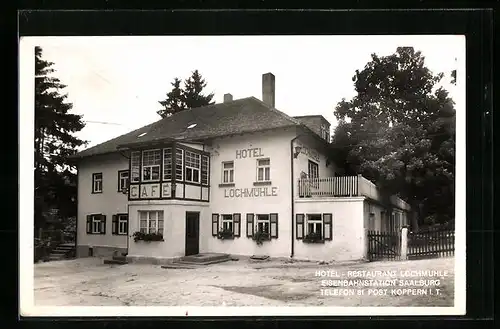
88,282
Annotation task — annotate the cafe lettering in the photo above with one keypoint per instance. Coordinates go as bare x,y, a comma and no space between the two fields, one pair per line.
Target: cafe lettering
254,192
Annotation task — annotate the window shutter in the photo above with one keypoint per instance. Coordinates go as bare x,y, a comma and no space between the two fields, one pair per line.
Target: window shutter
237,224
215,224
114,225
274,225
249,225
89,224
103,224
126,224
299,226
327,226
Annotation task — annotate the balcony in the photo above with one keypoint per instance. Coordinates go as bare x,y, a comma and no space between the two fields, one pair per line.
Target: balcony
329,187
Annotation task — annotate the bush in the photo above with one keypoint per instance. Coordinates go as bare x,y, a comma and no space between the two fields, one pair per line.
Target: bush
313,237
225,233
259,237
147,236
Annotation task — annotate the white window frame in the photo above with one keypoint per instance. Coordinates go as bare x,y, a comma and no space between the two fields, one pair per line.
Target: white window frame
195,157
264,168
205,170
96,222
97,183
229,171
310,173
325,134
181,165
135,167
123,181
150,167
168,161
318,219
227,219
263,219
122,219
149,219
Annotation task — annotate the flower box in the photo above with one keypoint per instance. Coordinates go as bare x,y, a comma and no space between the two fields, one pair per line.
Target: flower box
225,234
140,236
259,237
313,237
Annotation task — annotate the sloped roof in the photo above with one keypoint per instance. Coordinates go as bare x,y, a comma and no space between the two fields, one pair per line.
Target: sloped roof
239,116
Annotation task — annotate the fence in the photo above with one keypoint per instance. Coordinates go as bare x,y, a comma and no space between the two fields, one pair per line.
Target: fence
384,245
431,243
405,245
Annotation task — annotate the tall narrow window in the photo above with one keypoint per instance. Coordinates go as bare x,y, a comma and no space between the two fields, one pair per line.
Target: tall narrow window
151,165
313,169
123,177
97,183
204,169
228,172
135,164
167,164
179,155
193,166
227,222
263,170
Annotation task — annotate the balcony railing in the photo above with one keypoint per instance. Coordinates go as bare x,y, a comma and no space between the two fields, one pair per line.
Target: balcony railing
346,186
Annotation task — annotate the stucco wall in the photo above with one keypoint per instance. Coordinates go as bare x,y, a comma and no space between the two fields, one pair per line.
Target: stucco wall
273,145
108,203
174,221
377,223
348,234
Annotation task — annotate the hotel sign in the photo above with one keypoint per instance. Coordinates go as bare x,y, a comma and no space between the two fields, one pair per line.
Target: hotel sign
309,152
254,192
249,153
150,191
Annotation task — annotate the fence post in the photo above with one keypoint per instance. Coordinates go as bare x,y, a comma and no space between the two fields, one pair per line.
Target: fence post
404,243
366,242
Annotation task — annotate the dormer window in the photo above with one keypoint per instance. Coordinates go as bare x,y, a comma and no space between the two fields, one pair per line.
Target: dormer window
325,134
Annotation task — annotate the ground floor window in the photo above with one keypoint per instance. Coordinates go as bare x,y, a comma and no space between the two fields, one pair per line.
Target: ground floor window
314,227
120,224
264,223
226,225
151,222
96,224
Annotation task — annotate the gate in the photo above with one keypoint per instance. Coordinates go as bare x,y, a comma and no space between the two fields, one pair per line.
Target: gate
384,245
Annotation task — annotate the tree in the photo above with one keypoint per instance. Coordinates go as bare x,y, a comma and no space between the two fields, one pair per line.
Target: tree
399,130
191,96
55,183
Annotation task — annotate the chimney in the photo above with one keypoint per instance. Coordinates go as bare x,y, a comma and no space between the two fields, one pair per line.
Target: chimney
268,89
228,98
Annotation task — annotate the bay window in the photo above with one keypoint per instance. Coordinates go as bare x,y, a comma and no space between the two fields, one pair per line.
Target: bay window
193,166
151,160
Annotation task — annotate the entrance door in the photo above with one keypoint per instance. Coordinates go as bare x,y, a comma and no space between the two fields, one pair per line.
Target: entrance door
192,233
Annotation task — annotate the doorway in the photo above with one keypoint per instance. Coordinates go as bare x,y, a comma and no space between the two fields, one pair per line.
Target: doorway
192,233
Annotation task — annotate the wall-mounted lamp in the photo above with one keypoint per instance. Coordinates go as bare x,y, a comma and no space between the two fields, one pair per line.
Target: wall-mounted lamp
297,151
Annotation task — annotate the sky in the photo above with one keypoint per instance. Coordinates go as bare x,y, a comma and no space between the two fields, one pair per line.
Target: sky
116,82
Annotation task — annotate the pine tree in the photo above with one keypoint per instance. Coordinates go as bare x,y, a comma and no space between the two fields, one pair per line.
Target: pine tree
191,96
55,183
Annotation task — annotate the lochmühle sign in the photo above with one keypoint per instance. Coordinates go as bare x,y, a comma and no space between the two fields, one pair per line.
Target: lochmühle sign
252,192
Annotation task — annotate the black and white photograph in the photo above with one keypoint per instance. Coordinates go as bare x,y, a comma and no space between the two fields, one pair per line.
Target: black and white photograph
243,175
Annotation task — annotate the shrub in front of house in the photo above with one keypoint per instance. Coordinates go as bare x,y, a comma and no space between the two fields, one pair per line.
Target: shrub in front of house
225,233
313,237
259,237
141,236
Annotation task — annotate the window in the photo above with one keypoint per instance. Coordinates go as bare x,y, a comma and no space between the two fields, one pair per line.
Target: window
266,223
204,169
167,164
96,224
321,224
151,222
314,224
227,222
263,170
151,165
228,172
313,169
120,224
97,183
179,155
123,176
135,164
193,165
